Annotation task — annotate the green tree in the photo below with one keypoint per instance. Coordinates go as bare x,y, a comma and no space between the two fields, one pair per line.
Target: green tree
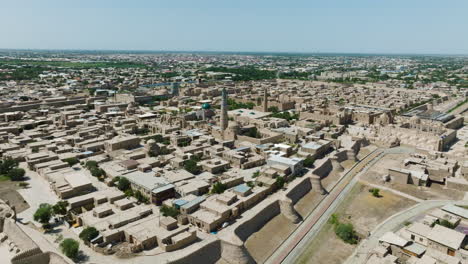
88,234
16,174
191,166
280,182
70,247
256,174
309,162
91,164
6,165
96,172
140,197
273,109
43,213
72,161
218,188
129,192
123,184
254,133
169,211
60,208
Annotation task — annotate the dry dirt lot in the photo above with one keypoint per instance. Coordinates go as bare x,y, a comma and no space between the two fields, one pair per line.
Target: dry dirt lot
365,212
8,192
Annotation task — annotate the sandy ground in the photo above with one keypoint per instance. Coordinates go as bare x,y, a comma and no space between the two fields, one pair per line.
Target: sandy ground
276,230
362,210
5,254
8,191
436,191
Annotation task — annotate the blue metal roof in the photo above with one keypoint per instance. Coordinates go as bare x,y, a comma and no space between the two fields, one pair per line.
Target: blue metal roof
242,188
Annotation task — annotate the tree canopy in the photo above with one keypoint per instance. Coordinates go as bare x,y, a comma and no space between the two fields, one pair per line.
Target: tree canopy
43,213
70,247
89,233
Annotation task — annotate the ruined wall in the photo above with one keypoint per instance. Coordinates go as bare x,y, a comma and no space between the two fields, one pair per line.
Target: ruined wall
235,253
324,168
257,221
287,209
41,258
21,239
209,253
342,155
298,188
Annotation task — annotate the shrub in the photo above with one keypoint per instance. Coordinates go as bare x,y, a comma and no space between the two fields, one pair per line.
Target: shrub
256,174
375,192
70,247
334,220
88,234
346,233
23,184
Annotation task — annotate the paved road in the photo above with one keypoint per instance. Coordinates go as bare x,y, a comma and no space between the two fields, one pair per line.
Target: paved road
393,223
39,192
294,245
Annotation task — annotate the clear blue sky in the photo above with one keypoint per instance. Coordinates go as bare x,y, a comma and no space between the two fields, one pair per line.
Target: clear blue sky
362,26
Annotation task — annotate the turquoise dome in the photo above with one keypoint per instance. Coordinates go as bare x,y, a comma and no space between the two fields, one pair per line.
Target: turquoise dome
206,106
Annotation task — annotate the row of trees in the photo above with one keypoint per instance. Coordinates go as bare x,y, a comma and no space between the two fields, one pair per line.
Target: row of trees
284,115
233,105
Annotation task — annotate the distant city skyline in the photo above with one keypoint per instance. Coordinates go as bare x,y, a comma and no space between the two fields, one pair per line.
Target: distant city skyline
361,26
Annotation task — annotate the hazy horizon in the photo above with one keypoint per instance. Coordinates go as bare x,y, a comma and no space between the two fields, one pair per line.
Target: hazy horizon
305,27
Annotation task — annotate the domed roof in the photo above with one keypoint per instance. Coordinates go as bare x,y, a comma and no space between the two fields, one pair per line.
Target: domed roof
206,106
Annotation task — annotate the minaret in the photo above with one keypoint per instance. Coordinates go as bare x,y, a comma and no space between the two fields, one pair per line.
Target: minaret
224,109
265,100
